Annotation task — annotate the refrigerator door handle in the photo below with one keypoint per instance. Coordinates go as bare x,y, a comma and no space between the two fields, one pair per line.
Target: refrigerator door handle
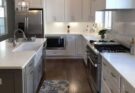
26,24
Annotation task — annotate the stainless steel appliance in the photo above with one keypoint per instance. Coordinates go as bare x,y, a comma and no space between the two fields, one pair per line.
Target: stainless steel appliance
56,42
94,58
31,22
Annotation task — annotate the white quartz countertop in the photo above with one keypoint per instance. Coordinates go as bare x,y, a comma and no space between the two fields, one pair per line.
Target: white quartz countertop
124,63
18,59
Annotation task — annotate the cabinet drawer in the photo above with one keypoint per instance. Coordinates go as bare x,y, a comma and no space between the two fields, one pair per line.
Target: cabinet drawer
55,52
126,87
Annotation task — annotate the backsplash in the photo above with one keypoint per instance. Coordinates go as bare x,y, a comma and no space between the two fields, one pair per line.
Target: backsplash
75,28
123,28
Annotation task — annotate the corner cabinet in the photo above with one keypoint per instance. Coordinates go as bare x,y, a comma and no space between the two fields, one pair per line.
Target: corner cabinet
114,4
32,3
54,10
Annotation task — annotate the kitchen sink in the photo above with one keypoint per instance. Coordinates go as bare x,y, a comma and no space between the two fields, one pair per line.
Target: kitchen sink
27,47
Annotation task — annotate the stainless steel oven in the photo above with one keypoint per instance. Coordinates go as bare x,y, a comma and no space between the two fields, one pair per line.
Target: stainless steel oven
94,70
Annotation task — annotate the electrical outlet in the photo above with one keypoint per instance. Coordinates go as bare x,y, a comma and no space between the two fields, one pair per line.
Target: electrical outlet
0,81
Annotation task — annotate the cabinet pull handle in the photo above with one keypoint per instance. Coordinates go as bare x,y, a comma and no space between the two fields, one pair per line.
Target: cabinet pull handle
113,75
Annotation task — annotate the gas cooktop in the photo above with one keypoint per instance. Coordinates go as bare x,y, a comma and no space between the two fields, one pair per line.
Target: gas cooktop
109,46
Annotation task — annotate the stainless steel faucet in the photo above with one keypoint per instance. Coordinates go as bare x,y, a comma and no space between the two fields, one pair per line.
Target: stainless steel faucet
14,39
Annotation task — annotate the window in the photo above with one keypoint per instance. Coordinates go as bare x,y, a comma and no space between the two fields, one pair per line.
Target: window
108,20
3,25
104,18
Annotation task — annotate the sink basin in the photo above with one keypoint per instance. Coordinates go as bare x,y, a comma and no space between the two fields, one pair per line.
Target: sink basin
27,47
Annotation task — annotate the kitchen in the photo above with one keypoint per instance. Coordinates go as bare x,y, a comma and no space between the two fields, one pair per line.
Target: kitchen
67,46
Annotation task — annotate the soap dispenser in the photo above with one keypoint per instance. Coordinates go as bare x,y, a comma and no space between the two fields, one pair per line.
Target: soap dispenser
132,47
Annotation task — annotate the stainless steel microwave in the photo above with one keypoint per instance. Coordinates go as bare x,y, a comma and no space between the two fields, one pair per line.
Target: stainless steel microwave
56,42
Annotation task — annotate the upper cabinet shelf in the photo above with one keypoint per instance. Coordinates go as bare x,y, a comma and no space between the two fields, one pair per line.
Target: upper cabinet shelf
114,4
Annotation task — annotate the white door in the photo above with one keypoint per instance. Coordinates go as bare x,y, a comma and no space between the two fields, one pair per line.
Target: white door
73,10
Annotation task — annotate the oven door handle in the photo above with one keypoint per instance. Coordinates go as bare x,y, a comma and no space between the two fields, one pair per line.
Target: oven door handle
95,65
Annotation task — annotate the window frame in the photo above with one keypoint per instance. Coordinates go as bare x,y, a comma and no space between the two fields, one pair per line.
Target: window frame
5,33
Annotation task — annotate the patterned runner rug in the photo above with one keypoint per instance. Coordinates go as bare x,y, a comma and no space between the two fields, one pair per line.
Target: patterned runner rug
55,86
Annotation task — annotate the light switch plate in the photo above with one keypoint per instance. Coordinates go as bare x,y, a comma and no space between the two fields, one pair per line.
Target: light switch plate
0,81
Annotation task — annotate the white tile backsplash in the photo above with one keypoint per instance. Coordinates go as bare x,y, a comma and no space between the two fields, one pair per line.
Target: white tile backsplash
123,28
75,28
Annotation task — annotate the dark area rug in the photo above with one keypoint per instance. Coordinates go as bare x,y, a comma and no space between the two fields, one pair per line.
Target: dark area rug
55,86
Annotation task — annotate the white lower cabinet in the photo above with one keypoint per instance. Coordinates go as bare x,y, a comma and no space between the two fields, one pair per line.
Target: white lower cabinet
112,81
70,45
110,77
29,77
75,47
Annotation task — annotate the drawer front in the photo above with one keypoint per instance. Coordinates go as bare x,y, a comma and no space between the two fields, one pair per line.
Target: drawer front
55,52
126,87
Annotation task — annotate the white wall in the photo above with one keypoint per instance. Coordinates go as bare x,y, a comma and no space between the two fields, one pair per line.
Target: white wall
123,26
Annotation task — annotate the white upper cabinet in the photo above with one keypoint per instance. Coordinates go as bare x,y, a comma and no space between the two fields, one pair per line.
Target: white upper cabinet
36,3
32,3
54,10
73,10
69,10
114,4
86,13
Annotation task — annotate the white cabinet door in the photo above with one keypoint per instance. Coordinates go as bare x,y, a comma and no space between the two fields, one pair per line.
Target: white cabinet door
79,46
70,46
86,10
73,10
93,10
54,10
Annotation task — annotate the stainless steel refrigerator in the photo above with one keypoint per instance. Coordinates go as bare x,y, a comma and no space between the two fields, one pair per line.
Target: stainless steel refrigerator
31,22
